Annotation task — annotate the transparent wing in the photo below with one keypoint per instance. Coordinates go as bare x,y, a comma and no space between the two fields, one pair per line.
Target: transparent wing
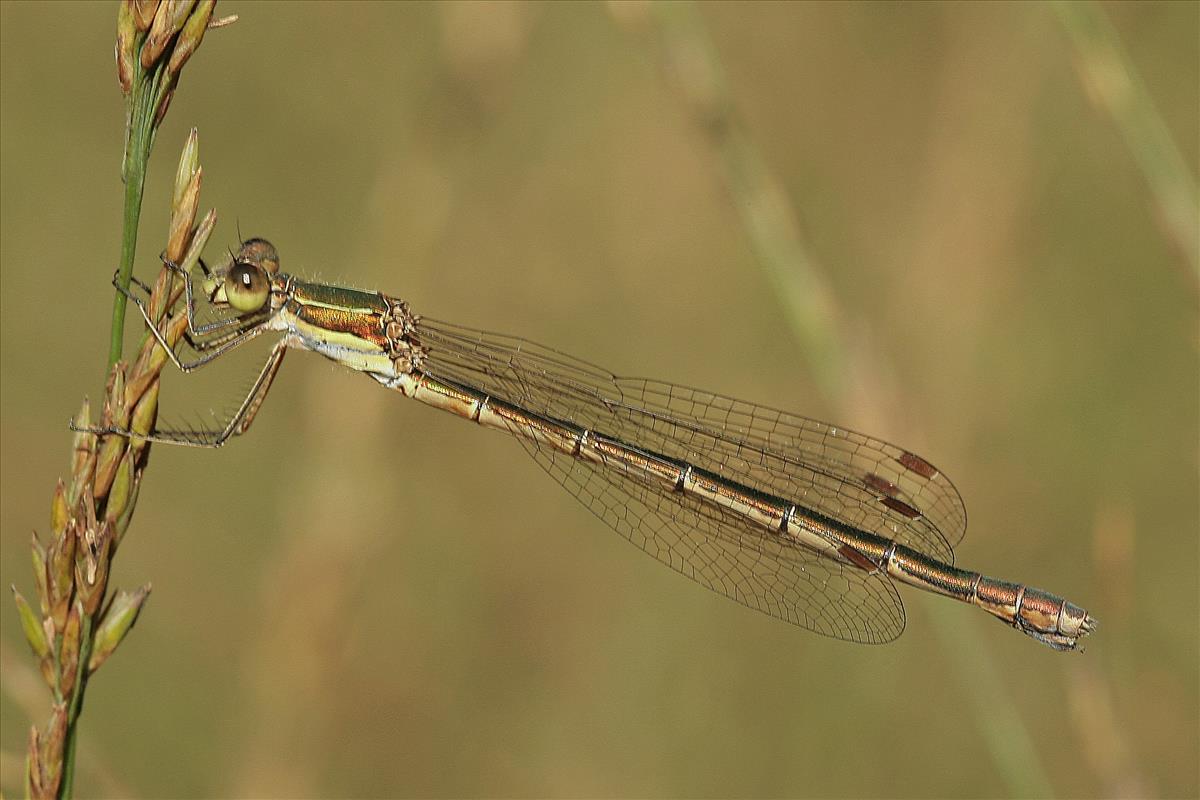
725,553
860,480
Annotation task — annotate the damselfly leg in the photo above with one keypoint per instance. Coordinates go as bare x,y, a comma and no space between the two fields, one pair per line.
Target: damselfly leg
210,340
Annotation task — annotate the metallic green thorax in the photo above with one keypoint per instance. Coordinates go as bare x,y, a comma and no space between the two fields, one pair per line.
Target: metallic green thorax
346,325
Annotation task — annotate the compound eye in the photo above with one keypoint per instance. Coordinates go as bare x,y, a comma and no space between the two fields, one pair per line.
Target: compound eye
246,287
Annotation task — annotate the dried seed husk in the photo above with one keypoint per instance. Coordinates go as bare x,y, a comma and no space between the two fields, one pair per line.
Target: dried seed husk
33,765
31,624
118,495
60,563
142,421
199,239
117,621
116,415
60,513
49,674
189,165
190,35
91,570
126,45
143,13
122,523
40,579
106,464
145,370
167,21
183,216
68,653
83,464
52,749
153,358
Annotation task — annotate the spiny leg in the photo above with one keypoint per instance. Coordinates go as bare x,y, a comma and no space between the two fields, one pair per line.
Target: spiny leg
254,400
195,340
134,280
197,331
194,329
212,350
237,424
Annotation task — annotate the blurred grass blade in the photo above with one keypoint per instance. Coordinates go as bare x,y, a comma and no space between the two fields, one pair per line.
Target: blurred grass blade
1114,84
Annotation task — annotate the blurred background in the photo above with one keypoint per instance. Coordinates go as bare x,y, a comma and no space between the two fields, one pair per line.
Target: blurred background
967,229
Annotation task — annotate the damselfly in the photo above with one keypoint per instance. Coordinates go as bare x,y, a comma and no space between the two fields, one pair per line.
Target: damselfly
804,521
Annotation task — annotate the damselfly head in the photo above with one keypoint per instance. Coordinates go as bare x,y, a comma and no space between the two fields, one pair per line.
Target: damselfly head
245,284
261,253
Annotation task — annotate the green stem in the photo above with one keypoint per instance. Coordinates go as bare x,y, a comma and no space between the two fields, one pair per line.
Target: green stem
67,786
143,105
135,179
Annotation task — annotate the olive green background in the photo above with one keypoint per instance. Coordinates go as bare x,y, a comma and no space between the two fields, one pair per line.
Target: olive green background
365,597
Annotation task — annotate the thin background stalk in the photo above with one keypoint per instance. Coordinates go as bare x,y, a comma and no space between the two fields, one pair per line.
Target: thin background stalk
1113,83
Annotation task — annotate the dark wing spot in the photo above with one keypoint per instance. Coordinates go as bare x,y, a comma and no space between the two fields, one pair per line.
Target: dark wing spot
914,463
881,485
900,506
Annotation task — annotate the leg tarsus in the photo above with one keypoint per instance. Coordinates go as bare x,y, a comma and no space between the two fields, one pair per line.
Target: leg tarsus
238,424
